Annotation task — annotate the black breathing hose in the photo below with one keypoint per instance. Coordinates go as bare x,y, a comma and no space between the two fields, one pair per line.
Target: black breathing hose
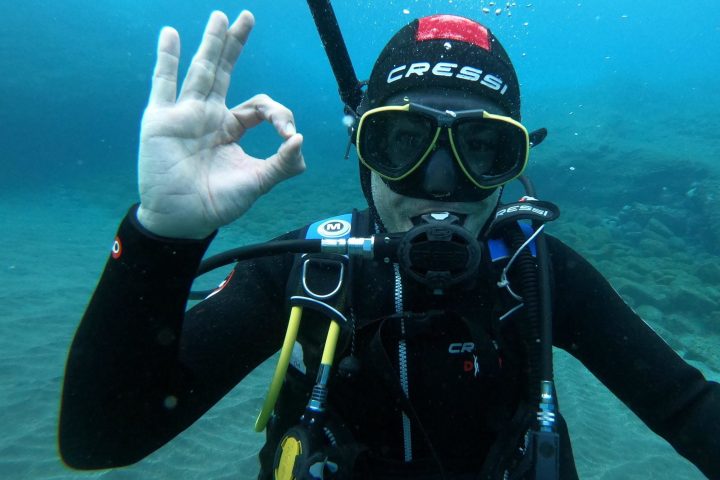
529,327
544,295
546,324
252,251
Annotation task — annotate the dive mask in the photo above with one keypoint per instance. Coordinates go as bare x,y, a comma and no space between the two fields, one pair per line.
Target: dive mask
490,149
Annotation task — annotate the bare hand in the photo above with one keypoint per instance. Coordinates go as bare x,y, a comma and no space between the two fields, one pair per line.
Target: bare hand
193,177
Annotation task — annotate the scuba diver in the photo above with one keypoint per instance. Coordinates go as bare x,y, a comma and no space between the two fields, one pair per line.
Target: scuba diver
415,335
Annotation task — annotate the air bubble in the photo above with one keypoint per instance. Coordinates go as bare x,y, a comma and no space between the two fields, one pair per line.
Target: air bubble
170,402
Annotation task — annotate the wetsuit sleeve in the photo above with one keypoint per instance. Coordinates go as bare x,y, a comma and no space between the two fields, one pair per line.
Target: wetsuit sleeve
596,326
140,370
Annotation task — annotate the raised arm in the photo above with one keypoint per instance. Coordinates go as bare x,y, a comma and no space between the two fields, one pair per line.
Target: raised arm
140,370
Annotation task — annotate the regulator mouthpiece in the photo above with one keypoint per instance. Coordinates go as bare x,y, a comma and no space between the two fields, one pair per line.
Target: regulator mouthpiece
439,252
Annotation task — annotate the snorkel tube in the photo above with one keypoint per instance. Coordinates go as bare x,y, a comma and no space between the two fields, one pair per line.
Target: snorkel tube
327,26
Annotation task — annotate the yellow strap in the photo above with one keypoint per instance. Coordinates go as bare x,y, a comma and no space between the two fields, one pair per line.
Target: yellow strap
280,370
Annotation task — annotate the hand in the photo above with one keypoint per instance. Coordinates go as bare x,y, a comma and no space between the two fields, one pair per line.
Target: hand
193,177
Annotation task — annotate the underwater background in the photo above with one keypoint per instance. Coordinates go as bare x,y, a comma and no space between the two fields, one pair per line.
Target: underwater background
628,92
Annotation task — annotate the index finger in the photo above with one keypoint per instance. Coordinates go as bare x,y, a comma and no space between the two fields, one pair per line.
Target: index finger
261,108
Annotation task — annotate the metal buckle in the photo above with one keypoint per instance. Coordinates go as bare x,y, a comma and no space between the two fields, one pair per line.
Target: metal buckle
322,261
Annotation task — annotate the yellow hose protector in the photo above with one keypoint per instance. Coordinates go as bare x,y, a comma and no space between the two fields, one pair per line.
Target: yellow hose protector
330,343
281,369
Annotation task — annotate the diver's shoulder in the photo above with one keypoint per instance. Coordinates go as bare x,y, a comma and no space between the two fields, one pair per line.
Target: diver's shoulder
341,225
558,246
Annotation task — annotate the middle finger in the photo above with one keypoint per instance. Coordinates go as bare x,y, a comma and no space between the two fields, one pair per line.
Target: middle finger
201,74
235,40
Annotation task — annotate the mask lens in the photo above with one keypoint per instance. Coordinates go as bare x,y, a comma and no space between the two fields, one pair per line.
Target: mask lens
491,151
393,142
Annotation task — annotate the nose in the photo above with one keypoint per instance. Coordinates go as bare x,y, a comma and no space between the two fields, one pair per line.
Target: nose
440,175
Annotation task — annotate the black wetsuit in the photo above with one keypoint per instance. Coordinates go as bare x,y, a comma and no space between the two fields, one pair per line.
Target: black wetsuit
141,369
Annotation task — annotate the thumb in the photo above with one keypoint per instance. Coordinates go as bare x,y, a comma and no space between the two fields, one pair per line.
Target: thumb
287,162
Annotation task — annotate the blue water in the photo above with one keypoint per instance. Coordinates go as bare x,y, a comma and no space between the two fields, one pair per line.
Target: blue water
76,73
627,90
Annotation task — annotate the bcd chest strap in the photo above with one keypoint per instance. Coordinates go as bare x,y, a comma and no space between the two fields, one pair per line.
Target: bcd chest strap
315,448
321,281
322,277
